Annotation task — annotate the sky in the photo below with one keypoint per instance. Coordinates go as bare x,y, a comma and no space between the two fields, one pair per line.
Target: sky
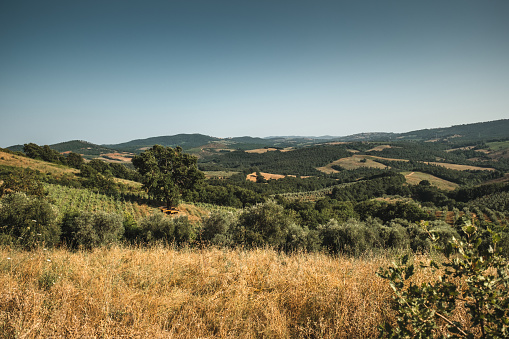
112,71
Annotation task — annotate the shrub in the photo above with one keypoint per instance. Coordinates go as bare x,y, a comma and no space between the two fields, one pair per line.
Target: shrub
87,230
183,230
263,224
353,237
394,236
419,235
157,227
28,221
132,232
216,228
476,278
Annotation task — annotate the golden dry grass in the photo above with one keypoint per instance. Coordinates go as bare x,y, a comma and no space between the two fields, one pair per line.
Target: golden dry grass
161,292
211,293
261,150
353,162
414,178
267,176
13,160
379,148
460,167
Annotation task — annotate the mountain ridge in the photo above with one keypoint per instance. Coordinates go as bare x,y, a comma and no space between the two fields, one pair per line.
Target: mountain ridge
488,130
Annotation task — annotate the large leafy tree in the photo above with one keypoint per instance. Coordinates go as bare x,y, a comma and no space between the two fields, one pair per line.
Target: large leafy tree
168,173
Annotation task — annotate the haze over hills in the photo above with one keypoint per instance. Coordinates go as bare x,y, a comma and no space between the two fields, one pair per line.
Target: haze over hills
196,143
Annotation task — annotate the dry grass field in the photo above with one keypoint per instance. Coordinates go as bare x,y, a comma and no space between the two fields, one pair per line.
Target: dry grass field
13,160
162,292
460,167
267,176
414,178
269,149
353,162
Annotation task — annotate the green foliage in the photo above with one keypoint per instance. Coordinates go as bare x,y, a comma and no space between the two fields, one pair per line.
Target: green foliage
131,230
23,180
388,211
158,227
167,173
301,161
420,235
351,238
264,224
28,221
475,278
88,230
216,228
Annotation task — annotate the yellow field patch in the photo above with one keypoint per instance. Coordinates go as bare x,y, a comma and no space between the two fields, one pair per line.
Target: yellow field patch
353,162
379,148
460,167
116,157
8,159
269,176
261,150
414,178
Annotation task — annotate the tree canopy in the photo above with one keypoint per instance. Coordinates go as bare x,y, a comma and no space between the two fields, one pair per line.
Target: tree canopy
168,173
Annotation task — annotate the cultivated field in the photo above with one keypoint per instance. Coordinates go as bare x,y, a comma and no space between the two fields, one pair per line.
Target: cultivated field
460,167
353,162
414,178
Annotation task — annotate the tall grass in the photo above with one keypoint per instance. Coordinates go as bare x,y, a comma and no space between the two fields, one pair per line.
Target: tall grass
189,293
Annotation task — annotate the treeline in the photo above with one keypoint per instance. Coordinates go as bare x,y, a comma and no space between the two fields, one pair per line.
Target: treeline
431,152
96,173
302,161
470,177
344,228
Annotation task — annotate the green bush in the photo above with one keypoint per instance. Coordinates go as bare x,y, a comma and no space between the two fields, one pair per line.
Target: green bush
216,228
184,231
132,232
476,278
419,235
261,225
157,227
88,230
352,237
28,221
394,236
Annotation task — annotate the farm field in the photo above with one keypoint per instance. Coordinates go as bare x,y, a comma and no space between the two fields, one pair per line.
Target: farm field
414,178
165,292
353,162
68,199
460,167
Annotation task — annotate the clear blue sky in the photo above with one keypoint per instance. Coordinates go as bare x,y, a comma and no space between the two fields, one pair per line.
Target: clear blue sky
112,71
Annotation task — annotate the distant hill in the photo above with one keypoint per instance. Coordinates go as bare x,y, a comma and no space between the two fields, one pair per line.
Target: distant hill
82,147
204,145
371,136
186,141
498,129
